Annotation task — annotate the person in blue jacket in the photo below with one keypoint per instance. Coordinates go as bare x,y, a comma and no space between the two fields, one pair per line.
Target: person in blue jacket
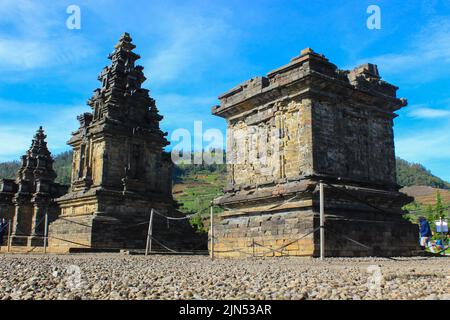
425,232
3,225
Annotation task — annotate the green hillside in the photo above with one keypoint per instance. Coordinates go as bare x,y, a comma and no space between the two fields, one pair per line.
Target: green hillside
62,167
414,174
8,170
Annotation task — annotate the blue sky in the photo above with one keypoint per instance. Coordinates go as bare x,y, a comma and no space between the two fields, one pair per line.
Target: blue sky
193,51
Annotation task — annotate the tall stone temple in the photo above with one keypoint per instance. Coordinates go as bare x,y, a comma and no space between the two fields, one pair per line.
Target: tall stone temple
303,123
119,170
26,200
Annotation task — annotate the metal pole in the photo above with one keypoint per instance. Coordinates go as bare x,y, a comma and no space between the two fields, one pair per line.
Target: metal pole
148,246
442,234
9,235
212,232
322,224
46,233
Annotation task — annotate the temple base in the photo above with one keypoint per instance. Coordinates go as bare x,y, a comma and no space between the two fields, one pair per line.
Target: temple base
120,222
284,227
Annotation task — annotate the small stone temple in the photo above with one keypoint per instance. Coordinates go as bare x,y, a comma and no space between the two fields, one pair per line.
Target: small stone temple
303,123
26,200
119,170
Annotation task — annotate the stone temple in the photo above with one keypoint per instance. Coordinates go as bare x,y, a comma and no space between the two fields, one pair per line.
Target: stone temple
26,200
120,172
303,123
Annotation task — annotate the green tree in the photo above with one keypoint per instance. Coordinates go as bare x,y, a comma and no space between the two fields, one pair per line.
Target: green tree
439,208
429,212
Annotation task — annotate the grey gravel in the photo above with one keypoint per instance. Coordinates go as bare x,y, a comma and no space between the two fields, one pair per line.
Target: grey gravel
118,276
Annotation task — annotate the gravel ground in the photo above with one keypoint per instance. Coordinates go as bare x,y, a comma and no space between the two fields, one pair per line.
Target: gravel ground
118,276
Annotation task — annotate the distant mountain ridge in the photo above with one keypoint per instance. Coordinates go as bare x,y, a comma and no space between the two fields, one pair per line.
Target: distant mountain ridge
414,174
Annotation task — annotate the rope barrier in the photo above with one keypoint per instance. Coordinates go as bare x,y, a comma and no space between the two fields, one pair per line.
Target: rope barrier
357,199
4,227
361,201
270,208
280,204
279,249
173,218
289,243
348,238
162,245
261,254
356,242
90,226
24,235
39,223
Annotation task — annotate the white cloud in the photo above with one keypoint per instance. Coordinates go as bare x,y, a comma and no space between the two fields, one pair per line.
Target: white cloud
58,122
180,111
430,148
34,35
189,46
423,112
23,55
183,103
425,145
13,144
423,59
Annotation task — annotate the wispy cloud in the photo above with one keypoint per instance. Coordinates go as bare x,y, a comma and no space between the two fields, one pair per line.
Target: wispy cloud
28,33
177,103
15,136
423,58
425,145
180,111
423,112
428,147
188,47
15,142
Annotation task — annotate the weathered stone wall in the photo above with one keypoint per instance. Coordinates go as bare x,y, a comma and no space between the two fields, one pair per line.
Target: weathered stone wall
322,124
353,142
6,211
264,233
120,225
271,143
149,167
7,190
279,229
23,218
383,237
71,232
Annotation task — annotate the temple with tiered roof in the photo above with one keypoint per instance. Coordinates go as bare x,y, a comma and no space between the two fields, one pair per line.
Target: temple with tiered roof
26,200
119,170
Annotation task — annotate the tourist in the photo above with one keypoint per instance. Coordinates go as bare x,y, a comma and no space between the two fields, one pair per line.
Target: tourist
425,232
3,225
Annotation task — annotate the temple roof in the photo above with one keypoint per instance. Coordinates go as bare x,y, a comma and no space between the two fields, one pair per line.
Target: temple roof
37,163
